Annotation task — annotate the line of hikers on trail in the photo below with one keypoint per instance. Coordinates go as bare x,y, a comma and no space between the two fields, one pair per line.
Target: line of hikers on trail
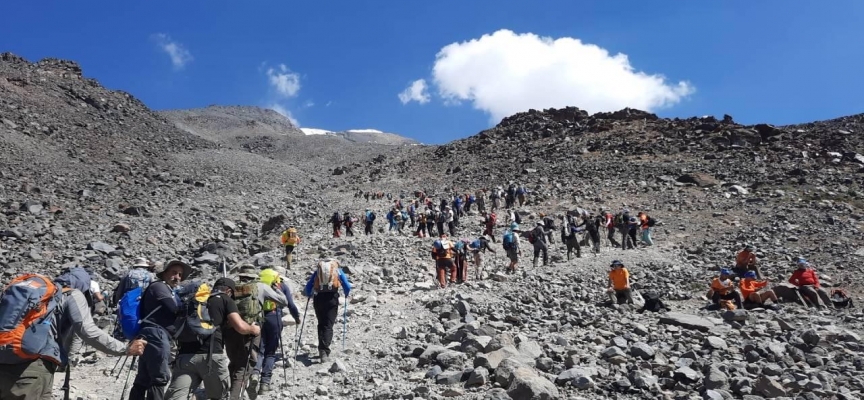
226,337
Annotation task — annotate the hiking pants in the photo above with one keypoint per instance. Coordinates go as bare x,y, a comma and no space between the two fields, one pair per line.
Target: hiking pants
478,265
495,205
412,221
461,268
27,381
490,232
421,230
468,208
153,372
817,296
540,247
730,295
430,228
573,243
191,370
289,256
521,200
337,230
326,307
367,230
595,240
611,236
444,267
452,228
241,361
271,330
621,296
631,232
625,238
646,236
349,231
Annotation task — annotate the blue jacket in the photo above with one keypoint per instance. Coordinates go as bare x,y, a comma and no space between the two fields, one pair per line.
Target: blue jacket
346,286
283,287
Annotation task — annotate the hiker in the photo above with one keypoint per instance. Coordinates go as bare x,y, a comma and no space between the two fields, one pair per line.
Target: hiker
271,330
368,219
549,226
619,284
755,291
201,358
391,218
646,223
807,280
290,240
481,201
510,199
489,222
451,218
470,200
746,261
477,246
430,219
592,226
336,221
158,309
140,275
537,237
412,212
496,199
610,227
510,242
66,314
569,237
323,287
632,231
421,224
457,206
722,288
442,253
250,296
348,221
521,192
460,258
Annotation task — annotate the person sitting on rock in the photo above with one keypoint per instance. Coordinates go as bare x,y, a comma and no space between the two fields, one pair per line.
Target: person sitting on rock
619,284
807,281
746,261
722,288
755,291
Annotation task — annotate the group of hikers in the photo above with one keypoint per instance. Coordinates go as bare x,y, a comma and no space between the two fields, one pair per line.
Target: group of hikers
183,333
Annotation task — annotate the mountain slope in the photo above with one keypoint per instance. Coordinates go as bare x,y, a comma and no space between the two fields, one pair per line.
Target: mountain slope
372,136
231,123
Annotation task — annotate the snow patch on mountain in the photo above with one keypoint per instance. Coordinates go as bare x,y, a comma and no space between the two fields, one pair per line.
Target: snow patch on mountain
314,131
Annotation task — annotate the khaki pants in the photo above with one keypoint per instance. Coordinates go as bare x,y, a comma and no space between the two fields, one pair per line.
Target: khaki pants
190,370
28,381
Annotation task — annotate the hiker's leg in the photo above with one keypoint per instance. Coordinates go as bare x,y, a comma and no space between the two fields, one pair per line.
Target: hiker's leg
184,378
809,293
825,297
269,344
153,370
569,249
26,381
238,355
440,273
578,248
755,298
215,375
736,296
322,315
613,297
545,251
330,320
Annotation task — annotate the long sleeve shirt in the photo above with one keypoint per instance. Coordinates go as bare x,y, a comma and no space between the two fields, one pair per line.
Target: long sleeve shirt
73,319
292,308
749,286
343,280
804,277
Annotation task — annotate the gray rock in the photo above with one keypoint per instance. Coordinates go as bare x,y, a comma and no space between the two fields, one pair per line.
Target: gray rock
100,247
687,321
338,366
716,343
573,373
716,379
492,360
478,377
735,315
643,379
612,352
811,337
450,359
433,372
449,377
769,387
496,394
506,370
686,374
642,350
530,386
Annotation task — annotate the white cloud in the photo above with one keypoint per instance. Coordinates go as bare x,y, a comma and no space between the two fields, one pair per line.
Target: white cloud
285,113
505,73
286,83
416,91
179,55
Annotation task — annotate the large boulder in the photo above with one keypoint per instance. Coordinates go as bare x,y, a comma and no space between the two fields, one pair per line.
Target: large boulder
688,321
527,385
699,179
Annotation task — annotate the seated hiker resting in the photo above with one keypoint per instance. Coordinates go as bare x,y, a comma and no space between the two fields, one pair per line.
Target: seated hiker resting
619,284
746,261
722,288
755,291
808,285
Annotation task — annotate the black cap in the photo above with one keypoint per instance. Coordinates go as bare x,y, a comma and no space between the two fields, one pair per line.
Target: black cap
227,282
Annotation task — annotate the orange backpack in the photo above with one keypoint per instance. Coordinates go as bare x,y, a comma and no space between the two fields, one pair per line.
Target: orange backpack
27,305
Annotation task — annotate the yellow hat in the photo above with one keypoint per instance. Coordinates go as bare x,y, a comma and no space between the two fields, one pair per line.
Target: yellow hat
269,276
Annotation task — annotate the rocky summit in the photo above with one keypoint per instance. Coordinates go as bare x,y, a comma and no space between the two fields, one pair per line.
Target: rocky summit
90,176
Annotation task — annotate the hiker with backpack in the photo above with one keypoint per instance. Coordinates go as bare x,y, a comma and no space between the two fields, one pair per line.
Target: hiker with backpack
430,220
495,197
619,284
476,247
250,297
548,226
368,220
521,192
609,223
421,224
201,340
40,317
746,261
290,240
271,331
481,201
391,218
537,237
632,231
569,237
157,313
451,218
723,289
442,253
755,291
592,226
460,256
807,281
646,223
489,223
348,222
336,222
140,275
510,242
323,287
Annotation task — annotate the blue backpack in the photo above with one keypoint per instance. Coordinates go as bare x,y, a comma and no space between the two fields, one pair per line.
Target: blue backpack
128,312
476,244
509,241
370,216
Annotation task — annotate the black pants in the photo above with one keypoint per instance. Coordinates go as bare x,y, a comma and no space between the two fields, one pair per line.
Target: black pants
731,295
440,226
368,228
153,373
611,237
430,227
573,243
349,230
452,228
540,247
326,307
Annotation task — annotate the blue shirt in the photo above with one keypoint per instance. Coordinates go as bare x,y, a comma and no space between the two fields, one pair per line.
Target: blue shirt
310,286
291,306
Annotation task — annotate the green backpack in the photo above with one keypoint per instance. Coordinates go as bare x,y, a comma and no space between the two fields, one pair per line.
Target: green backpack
246,298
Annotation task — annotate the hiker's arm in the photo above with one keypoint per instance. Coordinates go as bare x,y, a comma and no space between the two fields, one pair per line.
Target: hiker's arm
265,293
291,306
165,297
346,285
310,285
78,314
241,326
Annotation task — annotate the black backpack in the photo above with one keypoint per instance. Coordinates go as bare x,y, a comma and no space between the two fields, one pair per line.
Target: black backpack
840,298
651,222
652,302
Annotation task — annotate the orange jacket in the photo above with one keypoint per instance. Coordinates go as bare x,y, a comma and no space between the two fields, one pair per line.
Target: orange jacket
750,285
744,259
643,221
718,286
448,247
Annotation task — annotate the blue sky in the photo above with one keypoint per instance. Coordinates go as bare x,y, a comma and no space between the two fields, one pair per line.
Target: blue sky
346,62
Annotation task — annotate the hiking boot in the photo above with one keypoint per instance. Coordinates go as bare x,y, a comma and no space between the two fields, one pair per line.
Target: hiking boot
323,356
251,390
264,389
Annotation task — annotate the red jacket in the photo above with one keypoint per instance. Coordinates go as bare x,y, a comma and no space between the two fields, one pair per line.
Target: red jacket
802,277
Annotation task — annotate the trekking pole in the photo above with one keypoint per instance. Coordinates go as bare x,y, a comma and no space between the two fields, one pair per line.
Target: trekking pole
123,365
300,336
282,349
243,381
126,385
115,366
344,323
